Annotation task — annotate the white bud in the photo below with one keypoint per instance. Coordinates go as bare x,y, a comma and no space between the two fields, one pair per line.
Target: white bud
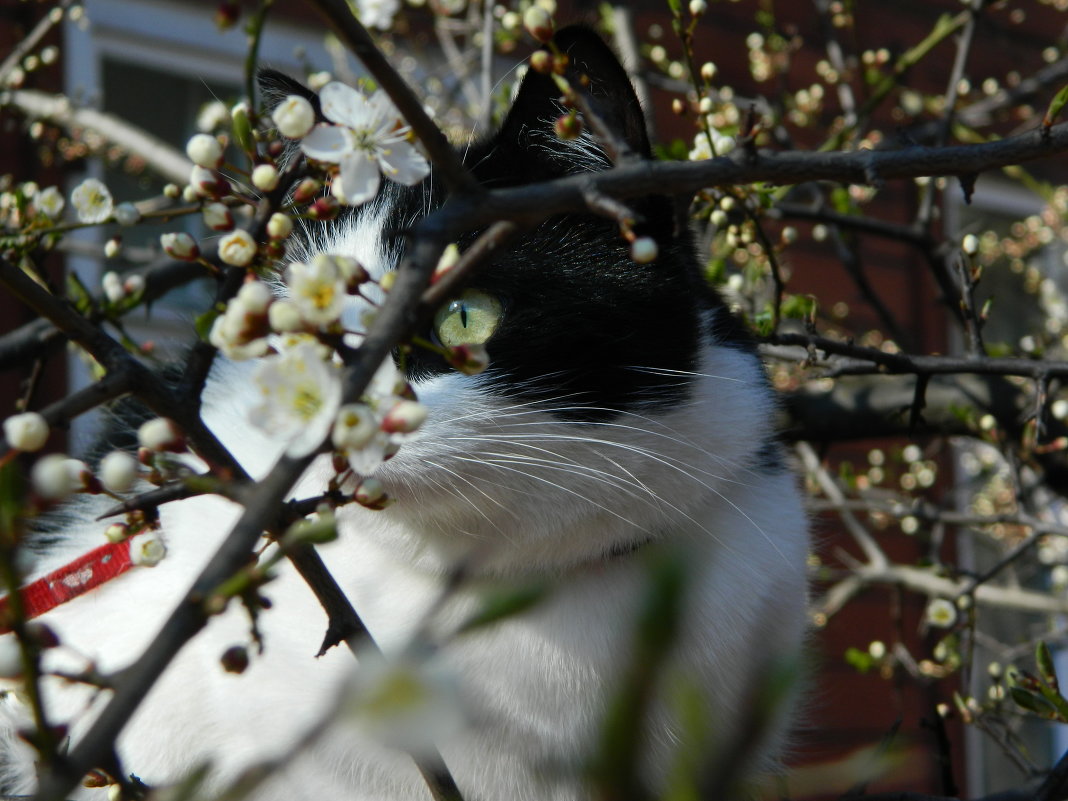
279,226
718,218
179,245
113,247
112,285
405,416
147,550
126,214
26,432
370,491
118,471
217,217
134,284
159,434
51,477
643,250
970,244
204,150
116,532
708,71
203,181
237,248
294,117
698,7
538,23
265,177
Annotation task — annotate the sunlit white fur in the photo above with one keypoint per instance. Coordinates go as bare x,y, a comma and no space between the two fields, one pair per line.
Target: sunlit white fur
519,494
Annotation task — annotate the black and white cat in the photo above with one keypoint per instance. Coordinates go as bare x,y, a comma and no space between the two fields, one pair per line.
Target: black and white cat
624,410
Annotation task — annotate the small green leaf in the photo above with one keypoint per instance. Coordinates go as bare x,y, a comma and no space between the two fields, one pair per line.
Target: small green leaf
1055,107
1032,702
502,604
859,660
203,322
78,294
1046,669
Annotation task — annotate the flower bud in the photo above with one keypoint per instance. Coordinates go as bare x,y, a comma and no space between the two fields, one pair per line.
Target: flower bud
117,532
541,61
161,434
294,117
698,7
113,247
284,317
26,432
112,286
970,244
51,478
405,417
242,126
279,226
469,359
126,214
265,177
538,23
643,250
217,217
118,471
179,245
204,150
235,659
568,126
325,208
306,190
370,493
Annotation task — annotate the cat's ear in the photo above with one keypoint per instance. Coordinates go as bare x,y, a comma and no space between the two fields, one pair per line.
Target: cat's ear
593,70
276,86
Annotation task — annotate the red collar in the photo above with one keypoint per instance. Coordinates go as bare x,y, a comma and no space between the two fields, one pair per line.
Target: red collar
85,573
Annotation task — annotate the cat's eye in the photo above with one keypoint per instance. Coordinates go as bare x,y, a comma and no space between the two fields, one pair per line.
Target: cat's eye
471,319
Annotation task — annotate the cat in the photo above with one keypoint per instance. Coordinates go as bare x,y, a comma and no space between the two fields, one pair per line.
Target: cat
624,412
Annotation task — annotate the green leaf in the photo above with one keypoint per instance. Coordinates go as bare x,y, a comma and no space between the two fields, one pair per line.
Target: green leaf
1055,106
505,603
203,322
1032,702
859,660
78,294
1046,669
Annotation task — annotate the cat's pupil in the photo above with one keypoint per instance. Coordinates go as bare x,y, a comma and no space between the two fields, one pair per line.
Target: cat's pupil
463,315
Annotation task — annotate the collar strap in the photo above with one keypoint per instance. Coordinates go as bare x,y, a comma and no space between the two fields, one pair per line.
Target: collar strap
85,573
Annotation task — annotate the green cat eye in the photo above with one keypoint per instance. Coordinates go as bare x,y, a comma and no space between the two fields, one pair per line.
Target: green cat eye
471,319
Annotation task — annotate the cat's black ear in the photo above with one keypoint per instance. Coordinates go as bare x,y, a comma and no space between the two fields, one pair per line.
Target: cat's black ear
276,86
527,132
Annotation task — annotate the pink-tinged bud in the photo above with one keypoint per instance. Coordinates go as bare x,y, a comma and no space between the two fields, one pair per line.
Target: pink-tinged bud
306,190
325,208
161,434
217,217
541,61
371,494
206,182
235,659
180,245
469,359
275,249
538,23
227,14
568,126
405,417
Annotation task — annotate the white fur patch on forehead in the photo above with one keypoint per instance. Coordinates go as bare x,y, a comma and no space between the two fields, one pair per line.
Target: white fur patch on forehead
360,236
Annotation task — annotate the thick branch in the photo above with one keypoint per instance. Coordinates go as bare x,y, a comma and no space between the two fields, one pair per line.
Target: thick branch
57,109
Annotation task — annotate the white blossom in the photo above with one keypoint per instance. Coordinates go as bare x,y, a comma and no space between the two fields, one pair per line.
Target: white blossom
237,248
147,550
284,317
941,613
294,117
317,289
239,331
354,428
26,432
368,139
701,149
377,13
300,395
212,115
50,203
118,471
403,703
92,201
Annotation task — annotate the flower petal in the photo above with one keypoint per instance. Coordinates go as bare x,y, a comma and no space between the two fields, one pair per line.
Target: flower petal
360,177
343,104
403,163
328,143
